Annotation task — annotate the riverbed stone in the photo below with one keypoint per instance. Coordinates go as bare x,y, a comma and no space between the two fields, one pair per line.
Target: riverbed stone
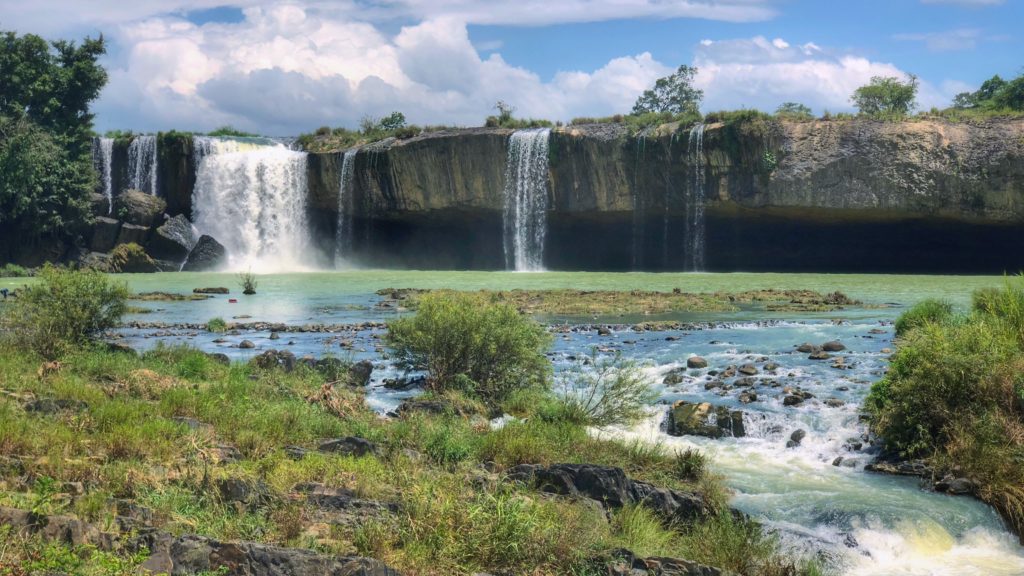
833,346
696,362
359,373
819,355
704,419
674,376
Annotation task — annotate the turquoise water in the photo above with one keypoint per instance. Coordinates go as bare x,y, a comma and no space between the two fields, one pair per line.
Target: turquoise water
861,522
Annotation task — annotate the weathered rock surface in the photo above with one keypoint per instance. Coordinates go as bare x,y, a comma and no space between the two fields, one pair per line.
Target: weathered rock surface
704,419
133,234
173,240
350,446
611,487
625,563
105,232
138,208
207,254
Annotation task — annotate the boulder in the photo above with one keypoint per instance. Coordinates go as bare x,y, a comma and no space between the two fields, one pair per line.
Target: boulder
819,355
131,258
252,494
99,205
105,232
792,400
748,369
404,383
97,261
625,563
953,485
349,446
704,419
359,373
674,376
246,345
696,362
207,254
138,208
191,554
613,489
271,359
833,346
133,234
796,438
173,240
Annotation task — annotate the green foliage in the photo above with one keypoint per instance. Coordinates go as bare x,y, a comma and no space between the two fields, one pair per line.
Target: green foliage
13,271
924,312
505,119
606,391
216,325
995,94
746,115
65,309
887,97
129,257
466,342
794,111
690,465
394,125
674,94
228,130
954,394
45,136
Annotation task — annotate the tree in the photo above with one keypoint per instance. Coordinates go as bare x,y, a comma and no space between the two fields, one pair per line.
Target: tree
673,94
794,110
1011,95
964,100
46,136
887,96
394,121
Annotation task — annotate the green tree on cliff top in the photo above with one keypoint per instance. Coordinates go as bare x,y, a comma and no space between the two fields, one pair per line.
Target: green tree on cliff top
887,96
674,94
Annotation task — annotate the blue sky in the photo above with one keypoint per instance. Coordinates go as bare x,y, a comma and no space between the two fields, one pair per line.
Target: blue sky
287,67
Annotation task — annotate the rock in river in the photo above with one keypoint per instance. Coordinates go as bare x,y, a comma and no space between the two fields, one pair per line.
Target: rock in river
704,419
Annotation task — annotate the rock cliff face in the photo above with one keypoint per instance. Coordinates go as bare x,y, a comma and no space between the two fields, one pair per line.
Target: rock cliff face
847,195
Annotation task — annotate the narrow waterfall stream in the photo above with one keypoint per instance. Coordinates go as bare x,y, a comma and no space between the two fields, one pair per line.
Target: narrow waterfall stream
694,246
103,160
344,233
526,200
142,164
251,196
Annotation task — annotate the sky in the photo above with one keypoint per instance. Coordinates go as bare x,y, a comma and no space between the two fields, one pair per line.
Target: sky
287,67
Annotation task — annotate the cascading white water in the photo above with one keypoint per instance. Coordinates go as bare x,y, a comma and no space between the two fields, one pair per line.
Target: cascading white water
344,233
254,203
695,202
142,164
526,200
103,155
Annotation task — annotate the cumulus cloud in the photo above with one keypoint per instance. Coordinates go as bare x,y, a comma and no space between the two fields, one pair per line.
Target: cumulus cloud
287,69
759,73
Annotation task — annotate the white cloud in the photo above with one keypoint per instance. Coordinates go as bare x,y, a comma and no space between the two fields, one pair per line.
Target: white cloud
756,73
947,41
287,69
62,16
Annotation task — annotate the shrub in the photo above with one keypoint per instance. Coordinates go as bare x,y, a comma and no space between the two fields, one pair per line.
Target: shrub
924,312
690,465
466,342
248,282
216,325
65,309
13,271
612,391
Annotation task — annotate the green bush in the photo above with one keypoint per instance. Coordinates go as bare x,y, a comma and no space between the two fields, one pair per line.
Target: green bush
65,309
924,312
216,325
466,342
607,391
13,271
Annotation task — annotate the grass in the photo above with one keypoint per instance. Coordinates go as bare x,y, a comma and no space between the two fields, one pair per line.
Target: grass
130,442
954,395
608,302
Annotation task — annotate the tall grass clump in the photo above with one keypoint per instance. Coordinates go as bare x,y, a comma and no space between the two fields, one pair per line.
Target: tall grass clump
468,343
925,311
954,395
64,310
606,391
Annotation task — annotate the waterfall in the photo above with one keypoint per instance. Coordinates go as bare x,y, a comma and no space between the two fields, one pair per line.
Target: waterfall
526,200
203,146
253,201
142,164
695,202
103,159
343,234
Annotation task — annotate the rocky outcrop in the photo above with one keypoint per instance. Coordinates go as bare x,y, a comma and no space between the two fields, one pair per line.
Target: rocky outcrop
612,488
138,208
704,419
173,240
625,563
105,232
208,254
